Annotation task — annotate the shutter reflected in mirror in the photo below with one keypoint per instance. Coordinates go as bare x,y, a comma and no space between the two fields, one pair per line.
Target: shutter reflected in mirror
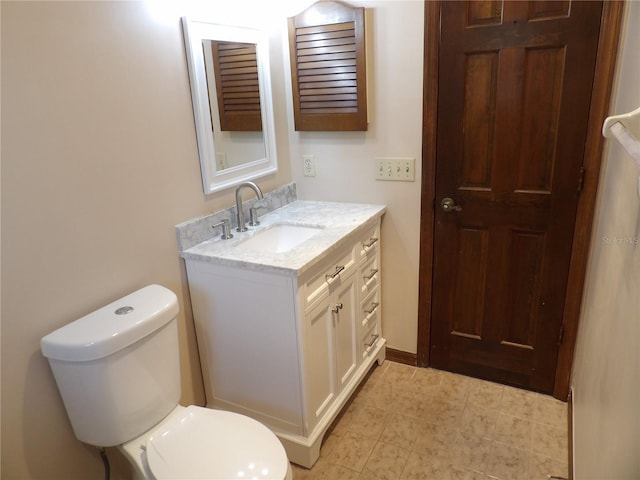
236,74
328,68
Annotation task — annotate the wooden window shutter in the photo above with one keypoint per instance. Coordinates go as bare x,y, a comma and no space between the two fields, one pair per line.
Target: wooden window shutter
328,68
235,67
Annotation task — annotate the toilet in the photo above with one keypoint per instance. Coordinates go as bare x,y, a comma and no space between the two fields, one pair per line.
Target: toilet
118,373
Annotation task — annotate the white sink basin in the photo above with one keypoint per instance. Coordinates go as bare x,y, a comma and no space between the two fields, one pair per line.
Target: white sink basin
279,238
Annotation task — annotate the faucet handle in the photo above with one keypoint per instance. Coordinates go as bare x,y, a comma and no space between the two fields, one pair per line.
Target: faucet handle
253,217
226,229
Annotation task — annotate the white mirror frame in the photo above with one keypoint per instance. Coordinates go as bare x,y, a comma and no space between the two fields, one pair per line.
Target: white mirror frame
214,180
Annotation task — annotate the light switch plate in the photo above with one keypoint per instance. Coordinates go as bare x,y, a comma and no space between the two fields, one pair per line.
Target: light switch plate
396,169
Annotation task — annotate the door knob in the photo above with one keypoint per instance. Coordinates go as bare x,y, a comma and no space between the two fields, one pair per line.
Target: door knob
449,205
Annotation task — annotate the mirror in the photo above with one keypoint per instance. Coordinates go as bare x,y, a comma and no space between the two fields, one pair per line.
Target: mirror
232,105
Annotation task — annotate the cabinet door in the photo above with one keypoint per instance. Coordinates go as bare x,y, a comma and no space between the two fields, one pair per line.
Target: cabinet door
344,321
321,383
332,346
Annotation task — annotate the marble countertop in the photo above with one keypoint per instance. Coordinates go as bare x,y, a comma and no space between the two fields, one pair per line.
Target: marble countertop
341,224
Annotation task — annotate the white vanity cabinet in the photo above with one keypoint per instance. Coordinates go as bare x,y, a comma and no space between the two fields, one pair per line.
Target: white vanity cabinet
289,347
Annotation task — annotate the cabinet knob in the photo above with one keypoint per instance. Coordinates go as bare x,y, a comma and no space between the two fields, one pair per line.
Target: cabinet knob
337,307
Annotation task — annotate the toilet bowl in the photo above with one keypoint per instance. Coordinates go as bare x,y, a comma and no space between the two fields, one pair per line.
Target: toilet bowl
117,370
183,447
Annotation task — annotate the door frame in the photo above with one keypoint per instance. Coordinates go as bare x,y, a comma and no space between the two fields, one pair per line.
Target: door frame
610,26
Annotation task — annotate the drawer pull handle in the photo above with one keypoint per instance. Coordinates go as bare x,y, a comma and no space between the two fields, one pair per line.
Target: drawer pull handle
370,343
372,273
370,242
337,307
331,276
372,308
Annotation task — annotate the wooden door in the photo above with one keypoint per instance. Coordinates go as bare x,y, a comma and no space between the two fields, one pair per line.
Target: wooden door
514,87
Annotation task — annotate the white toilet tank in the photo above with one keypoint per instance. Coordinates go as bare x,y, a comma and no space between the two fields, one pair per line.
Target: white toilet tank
117,368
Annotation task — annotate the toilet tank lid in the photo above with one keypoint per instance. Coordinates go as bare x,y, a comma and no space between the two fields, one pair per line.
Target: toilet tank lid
112,327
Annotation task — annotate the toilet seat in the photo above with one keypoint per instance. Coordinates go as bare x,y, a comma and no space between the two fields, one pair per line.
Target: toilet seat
202,443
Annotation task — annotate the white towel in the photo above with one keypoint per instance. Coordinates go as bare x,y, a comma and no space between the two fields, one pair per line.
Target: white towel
630,143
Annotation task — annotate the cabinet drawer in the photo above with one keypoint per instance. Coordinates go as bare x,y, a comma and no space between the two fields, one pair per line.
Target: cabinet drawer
369,310
369,275
327,274
369,338
369,243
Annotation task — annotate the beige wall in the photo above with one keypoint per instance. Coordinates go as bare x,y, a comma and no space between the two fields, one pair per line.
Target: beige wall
606,379
99,162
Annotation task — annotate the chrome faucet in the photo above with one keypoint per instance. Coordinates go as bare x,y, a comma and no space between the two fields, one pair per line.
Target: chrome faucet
242,227
226,229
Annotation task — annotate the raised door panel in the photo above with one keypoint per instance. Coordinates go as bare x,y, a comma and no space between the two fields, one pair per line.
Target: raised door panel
320,381
484,12
344,318
478,118
542,78
470,283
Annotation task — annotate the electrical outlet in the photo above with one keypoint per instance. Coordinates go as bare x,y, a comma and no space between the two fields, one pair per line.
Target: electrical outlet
309,166
396,169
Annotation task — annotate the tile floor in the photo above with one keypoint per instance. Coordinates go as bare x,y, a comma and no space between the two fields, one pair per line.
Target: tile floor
421,424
